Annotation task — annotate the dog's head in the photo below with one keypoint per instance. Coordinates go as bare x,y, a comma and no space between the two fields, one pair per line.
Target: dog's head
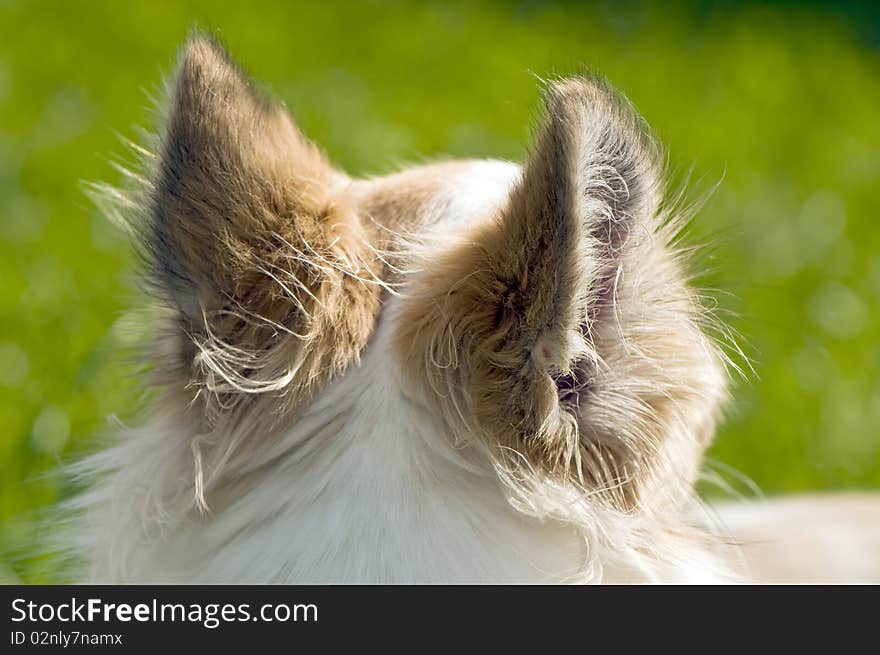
541,312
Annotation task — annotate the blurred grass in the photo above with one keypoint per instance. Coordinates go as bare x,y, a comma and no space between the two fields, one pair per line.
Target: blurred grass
782,101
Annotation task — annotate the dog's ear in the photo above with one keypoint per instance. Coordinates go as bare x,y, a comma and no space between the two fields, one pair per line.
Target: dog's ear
562,329
252,243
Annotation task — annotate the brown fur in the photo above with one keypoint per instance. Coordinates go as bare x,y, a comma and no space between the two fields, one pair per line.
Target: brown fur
551,327
562,329
255,246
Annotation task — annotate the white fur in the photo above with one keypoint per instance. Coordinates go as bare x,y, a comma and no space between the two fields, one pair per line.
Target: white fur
381,497
480,189
365,487
376,479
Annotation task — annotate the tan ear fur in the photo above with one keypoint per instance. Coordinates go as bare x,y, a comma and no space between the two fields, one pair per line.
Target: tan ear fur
255,248
520,331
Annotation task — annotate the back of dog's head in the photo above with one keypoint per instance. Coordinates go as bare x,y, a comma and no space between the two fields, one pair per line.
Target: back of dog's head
539,315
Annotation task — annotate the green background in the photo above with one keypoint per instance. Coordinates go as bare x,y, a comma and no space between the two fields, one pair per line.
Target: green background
778,102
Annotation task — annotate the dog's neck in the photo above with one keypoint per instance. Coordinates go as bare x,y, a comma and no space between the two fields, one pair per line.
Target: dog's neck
368,486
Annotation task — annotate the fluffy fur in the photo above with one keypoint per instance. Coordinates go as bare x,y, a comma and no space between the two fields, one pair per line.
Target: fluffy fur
467,371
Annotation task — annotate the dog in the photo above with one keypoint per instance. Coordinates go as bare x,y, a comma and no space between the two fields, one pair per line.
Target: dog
466,371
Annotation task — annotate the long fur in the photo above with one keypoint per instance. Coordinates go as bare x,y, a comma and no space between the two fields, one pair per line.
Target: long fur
467,371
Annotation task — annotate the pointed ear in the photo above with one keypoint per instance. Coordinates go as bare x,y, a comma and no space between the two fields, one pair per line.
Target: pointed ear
251,242
591,179
232,167
519,329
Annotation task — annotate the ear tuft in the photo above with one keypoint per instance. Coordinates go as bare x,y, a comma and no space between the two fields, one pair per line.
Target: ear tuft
204,57
210,85
206,63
